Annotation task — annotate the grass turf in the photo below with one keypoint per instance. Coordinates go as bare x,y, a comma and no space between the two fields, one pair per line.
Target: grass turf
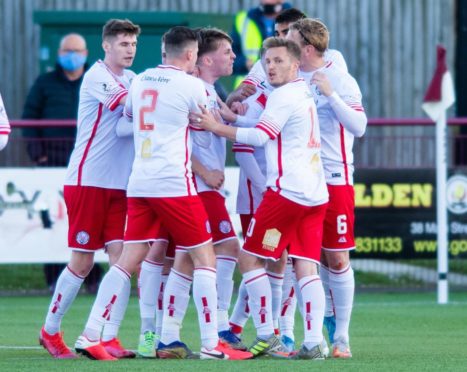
397,332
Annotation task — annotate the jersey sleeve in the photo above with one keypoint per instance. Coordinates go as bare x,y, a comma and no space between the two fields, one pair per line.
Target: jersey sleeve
349,92
240,147
103,86
334,56
198,98
4,123
256,74
275,115
128,109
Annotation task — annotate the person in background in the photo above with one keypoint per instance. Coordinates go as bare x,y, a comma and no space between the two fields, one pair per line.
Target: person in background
55,95
250,29
4,126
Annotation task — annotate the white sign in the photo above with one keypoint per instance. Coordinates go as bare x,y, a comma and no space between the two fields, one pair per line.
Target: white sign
33,218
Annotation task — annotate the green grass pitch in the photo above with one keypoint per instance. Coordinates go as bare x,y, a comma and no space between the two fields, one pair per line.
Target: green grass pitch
389,332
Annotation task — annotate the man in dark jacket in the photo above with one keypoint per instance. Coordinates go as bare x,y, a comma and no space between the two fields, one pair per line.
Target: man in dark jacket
55,95
250,29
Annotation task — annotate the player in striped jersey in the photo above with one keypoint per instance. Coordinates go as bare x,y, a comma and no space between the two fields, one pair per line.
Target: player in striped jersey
161,192
94,191
341,118
291,213
4,125
215,60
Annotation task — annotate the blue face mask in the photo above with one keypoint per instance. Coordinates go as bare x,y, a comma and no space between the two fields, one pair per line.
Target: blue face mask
71,61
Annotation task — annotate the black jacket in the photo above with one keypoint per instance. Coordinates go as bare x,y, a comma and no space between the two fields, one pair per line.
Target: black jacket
52,96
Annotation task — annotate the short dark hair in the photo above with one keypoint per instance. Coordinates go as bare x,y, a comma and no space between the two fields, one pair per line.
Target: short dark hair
275,42
209,38
290,15
114,27
177,38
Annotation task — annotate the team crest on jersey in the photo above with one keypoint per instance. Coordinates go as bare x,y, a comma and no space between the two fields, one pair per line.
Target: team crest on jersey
225,227
336,175
82,238
208,227
315,163
271,239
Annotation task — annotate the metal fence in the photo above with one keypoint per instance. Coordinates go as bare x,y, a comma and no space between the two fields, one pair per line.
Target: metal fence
414,138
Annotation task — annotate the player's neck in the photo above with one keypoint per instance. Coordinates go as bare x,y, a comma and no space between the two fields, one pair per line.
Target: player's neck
117,70
177,63
312,64
207,76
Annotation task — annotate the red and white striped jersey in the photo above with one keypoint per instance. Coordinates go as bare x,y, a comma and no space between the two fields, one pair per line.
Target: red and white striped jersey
100,158
336,141
159,102
294,167
249,194
212,157
4,123
257,74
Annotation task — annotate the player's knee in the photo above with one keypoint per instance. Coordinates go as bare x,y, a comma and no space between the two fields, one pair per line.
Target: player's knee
339,261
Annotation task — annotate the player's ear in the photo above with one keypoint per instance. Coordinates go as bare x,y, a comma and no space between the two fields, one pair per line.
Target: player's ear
106,46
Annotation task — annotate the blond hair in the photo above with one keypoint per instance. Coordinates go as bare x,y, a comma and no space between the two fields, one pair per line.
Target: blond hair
313,32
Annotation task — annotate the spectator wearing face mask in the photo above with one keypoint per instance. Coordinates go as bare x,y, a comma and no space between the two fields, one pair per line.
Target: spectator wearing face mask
250,29
54,95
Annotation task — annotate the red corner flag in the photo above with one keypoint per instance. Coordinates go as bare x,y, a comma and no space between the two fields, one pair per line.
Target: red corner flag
440,94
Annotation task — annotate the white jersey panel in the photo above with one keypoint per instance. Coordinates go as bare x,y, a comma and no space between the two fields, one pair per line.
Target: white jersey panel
249,195
294,167
336,141
100,158
159,102
212,157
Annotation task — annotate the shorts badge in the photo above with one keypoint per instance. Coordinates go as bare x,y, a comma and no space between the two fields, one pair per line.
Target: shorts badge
225,227
271,239
82,238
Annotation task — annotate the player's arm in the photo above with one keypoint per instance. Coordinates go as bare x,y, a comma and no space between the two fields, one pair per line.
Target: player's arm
124,127
243,91
233,117
348,109
248,163
103,87
213,178
249,136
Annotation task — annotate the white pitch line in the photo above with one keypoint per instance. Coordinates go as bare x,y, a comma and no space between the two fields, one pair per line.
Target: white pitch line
8,347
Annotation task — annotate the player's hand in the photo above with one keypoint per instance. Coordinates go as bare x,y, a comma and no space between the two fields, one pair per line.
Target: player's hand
214,178
322,82
239,108
226,113
204,119
247,90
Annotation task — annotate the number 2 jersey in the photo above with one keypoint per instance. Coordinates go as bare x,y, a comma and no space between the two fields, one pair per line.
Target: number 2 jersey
159,102
100,158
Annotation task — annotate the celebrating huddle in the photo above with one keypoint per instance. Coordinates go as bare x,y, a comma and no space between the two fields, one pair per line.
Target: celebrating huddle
145,183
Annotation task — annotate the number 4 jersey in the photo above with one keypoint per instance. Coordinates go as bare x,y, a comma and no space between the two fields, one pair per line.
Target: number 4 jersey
159,102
